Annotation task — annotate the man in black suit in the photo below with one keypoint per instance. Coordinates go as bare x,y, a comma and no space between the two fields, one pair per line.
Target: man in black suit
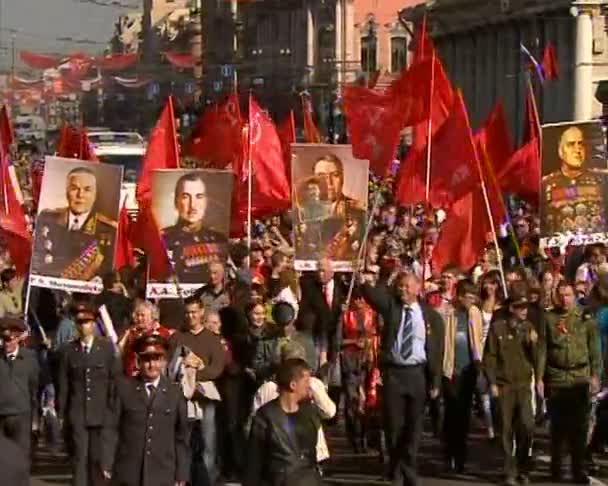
411,355
146,434
88,367
19,378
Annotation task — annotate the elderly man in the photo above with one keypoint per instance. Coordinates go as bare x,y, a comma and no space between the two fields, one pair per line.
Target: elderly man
574,197
77,241
191,245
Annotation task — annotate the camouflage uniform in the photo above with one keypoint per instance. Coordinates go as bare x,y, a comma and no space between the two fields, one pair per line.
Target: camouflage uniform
73,254
191,252
509,361
568,357
575,205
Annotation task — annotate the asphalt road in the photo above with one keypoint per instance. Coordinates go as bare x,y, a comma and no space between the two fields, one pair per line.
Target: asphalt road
347,468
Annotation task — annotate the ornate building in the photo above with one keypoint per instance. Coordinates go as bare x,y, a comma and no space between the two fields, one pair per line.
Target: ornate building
479,42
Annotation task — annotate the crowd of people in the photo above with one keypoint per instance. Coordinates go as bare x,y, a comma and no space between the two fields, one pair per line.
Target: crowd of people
265,356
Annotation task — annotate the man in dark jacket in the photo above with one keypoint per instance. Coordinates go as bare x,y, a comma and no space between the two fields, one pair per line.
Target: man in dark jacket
87,370
283,440
145,437
19,378
411,355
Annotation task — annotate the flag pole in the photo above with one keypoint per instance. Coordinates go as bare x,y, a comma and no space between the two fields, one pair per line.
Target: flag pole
485,198
249,179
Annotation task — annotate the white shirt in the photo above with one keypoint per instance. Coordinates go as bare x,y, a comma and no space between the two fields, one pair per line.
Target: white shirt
76,221
86,345
328,292
13,355
154,383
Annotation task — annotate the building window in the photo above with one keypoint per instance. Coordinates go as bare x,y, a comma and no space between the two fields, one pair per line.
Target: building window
398,54
369,52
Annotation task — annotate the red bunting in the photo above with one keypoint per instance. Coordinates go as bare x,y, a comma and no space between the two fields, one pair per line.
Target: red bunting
182,61
116,62
39,61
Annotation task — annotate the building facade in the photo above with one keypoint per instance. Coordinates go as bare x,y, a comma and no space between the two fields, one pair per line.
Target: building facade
279,48
479,42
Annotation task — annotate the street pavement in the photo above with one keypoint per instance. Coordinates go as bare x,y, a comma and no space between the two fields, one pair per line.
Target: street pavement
347,468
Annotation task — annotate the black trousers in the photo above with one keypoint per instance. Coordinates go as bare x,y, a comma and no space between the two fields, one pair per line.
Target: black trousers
569,408
404,399
232,415
18,428
457,400
516,422
86,455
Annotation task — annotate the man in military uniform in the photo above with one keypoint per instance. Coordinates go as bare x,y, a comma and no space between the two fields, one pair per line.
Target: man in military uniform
146,431
192,246
75,242
574,198
509,361
569,365
87,370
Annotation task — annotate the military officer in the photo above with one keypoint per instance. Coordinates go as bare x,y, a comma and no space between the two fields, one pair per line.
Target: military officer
19,378
88,367
190,244
569,366
574,198
145,438
509,361
75,242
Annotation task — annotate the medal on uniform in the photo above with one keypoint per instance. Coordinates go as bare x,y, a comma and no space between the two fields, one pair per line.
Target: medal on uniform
561,326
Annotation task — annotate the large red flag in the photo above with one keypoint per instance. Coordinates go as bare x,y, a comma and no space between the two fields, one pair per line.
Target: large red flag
374,125
216,139
453,170
311,132
6,131
147,230
162,152
13,223
287,135
124,249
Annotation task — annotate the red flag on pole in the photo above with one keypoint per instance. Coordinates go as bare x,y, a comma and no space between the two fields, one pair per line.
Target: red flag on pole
124,249
75,144
6,131
550,64
216,139
13,223
287,135
162,152
311,132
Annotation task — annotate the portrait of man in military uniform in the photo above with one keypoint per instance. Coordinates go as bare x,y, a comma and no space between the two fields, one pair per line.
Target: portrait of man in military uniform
330,204
192,241
76,241
574,194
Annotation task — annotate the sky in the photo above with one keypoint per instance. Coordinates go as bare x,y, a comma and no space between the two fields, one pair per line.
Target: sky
40,22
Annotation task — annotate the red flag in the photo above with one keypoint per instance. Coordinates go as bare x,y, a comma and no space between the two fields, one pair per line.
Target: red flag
75,144
162,152
464,235
124,249
287,135
36,175
311,132
532,128
13,223
152,243
266,156
6,131
453,171
216,139
39,61
549,64
374,125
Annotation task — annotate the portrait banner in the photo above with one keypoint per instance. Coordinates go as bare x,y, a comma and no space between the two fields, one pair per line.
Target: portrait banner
574,192
192,209
329,201
76,225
